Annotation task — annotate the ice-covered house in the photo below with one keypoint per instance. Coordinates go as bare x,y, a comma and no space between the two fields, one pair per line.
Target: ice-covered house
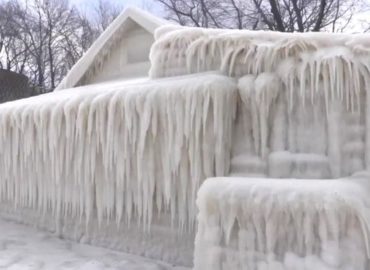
271,115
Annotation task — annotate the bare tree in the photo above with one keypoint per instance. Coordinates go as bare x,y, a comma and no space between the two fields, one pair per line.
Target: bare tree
200,13
276,15
43,39
13,51
104,12
305,15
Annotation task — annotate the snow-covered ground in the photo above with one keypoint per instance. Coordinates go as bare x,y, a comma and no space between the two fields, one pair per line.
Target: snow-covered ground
23,248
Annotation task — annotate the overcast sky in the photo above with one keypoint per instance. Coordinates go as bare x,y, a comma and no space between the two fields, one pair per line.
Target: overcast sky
150,5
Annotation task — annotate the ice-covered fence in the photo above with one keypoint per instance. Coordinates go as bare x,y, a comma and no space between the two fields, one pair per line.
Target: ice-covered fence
116,152
247,223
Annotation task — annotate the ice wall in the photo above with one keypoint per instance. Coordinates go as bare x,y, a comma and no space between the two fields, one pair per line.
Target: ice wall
117,152
303,98
249,223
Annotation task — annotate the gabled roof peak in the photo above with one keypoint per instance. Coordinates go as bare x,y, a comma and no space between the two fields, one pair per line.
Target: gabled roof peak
143,18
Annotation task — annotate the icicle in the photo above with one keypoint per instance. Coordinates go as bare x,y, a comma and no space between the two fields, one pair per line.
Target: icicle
267,88
334,137
113,151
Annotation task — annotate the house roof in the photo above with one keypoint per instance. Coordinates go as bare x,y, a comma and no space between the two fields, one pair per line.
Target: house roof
146,20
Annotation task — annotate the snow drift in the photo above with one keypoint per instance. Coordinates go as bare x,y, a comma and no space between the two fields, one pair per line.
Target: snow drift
289,224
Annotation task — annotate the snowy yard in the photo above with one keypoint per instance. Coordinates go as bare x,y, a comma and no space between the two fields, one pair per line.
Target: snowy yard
23,248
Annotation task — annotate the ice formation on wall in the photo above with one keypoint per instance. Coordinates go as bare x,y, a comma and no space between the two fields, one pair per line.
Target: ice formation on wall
117,151
292,87
289,224
303,112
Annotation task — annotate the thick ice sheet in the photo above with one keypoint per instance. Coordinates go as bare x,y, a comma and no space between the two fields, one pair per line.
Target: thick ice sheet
117,152
26,248
290,224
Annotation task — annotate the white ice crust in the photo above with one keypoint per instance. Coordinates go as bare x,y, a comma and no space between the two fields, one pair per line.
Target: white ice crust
283,224
117,151
271,105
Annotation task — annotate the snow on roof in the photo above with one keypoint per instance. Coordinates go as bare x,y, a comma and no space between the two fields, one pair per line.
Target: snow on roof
146,20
